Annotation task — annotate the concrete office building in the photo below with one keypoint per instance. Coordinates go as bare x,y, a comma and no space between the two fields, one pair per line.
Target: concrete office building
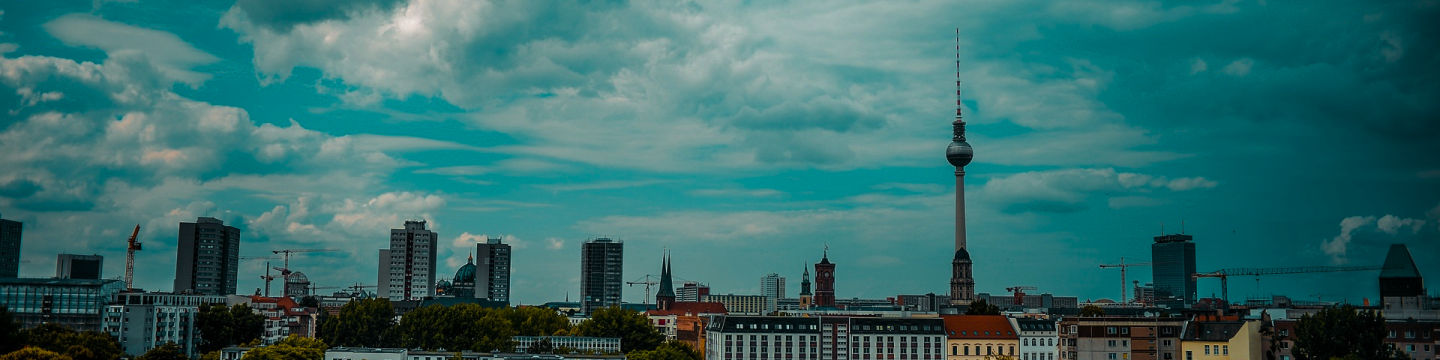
10,248
1173,262
772,285
744,304
207,260
144,321
73,303
411,263
492,270
824,338
691,291
602,263
72,266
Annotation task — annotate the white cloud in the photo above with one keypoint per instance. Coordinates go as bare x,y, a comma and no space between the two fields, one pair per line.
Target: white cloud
1068,190
1391,224
1240,67
1339,247
736,192
173,56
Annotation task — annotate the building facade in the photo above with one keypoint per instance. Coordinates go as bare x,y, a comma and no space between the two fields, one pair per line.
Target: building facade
1039,339
824,338
1173,262
144,321
1115,337
602,263
979,337
412,262
598,345
691,291
72,266
73,303
207,260
744,304
1221,340
10,231
284,317
492,270
772,285
824,282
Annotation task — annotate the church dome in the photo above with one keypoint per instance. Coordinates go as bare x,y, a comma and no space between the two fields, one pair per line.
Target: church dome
466,273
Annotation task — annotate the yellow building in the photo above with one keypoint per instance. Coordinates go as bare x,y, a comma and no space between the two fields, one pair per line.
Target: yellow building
973,337
1221,340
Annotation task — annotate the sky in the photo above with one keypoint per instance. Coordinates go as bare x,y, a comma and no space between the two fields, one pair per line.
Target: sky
744,137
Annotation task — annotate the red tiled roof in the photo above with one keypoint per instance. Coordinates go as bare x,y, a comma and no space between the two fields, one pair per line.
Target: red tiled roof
978,327
691,308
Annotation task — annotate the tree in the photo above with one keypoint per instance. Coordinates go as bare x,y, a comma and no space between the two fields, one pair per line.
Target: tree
294,347
222,326
982,307
536,321
1092,311
169,351
310,301
34,353
541,346
1343,332
9,331
86,345
633,328
363,322
670,350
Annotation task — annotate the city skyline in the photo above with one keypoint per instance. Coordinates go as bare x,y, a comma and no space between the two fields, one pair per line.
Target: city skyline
741,142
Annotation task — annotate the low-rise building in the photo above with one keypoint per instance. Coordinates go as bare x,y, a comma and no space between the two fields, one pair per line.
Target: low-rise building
585,344
144,321
824,338
78,304
1038,339
1414,338
352,353
978,337
1117,337
744,304
284,317
1221,340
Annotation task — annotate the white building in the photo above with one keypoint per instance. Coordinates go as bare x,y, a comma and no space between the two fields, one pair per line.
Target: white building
412,263
824,338
144,321
597,345
1038,339
744,304
772,285
346,353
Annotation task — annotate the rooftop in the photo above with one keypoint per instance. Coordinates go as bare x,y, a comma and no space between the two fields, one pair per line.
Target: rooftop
978,327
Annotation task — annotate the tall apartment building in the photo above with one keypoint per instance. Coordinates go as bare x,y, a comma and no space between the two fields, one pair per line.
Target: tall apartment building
72,266
824,338
492,270
602,263
1173,259
207,260
691,291
144,321
411,274
10,248
1116,337
772,285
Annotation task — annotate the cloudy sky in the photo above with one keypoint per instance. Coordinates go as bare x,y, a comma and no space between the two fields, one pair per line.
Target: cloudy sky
743,136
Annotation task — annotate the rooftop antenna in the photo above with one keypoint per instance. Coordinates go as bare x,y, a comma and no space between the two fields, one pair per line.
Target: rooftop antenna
1162,228
1182,226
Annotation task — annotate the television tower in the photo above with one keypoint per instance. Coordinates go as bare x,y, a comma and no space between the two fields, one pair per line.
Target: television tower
959,154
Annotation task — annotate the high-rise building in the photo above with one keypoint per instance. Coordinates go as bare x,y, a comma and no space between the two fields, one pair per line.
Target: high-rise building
207,260
1172,259
412,262
825,282
601,265
805,296
665,299
772,285
492,271
959,154
72,266
691,291
9,248
382,281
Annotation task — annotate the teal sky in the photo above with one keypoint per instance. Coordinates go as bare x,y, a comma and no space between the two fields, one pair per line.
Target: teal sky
742,136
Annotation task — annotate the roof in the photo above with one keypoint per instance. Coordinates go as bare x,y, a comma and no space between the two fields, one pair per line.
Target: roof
1212,330
978,327
1035,325
1398,263
692,308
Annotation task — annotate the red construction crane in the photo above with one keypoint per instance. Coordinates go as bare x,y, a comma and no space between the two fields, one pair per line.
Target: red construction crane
130,248
1122,266
1019,293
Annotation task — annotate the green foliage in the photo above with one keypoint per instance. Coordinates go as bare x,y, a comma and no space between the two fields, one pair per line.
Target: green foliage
294,347
670,350
9,331
536,321
1092,311
458,327
310,301
542,346
169,351
363,322
1344,333
633,328
87,345
222,326
213,355
34,353
981,307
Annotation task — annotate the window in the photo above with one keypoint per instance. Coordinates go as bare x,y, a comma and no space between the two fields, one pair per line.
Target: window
1125,330
1189,355
1207,349
1111,356
1110,330
1225,349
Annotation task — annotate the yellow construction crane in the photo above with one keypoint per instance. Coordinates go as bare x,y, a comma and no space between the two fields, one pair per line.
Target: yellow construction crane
1122,266
130,248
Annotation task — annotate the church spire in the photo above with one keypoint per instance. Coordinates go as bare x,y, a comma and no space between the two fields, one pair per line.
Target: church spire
666,297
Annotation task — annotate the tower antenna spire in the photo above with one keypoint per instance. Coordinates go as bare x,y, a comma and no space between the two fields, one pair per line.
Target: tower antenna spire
958,117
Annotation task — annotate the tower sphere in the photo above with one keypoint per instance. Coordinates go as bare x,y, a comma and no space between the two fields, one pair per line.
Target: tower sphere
959,153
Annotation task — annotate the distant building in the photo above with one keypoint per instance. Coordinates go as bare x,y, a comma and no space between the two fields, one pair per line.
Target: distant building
284,317
144,321
412,262
602,262
772,285
72,266
1038,339
463,286
492,270
297,285
691,291
598,345
744,304
1221,340
825,282
73,303
665,298
1115,337
1417,339
927,303
824,338
1173,262
979,337
207,260
10,248
806,298
382,282
1031,301
1402,289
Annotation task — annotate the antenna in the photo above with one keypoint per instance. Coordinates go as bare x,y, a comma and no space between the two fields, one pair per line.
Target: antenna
957,76
1182,226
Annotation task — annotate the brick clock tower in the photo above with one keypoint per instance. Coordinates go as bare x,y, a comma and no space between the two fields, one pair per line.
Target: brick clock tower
825,282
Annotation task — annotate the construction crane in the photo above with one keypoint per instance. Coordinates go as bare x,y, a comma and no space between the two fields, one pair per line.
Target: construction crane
1224,274
287,253
1019,293
648,283
130,248
1123,266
